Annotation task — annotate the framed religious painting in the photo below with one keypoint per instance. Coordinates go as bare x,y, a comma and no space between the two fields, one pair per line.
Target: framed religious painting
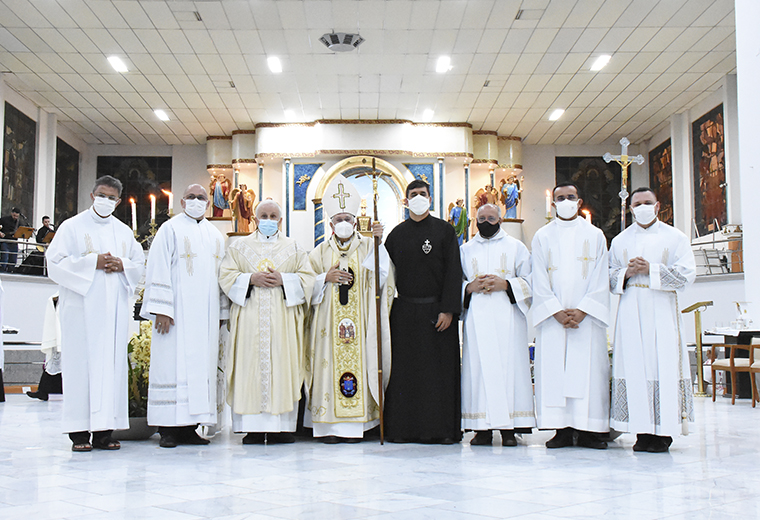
18,163
709,160
599,184
66,181
661,179
141,177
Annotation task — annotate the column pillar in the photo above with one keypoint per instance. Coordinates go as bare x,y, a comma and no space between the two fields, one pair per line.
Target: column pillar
467,199
682,186
441,199
44,166
286,176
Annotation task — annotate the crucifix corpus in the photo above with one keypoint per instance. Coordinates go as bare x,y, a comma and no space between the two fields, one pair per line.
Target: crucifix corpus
378,303
624,160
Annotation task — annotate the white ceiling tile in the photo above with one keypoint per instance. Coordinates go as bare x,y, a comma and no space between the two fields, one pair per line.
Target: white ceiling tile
108,15
176,41
292,15
213,64
200,41
30,39
438,42
133,13
467,41
527,63
502,15
370,14
639,37
160,15
213,15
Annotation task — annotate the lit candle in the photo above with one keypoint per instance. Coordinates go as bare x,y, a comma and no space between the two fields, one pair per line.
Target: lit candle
548,204
171,200
134,213
152,208
588,215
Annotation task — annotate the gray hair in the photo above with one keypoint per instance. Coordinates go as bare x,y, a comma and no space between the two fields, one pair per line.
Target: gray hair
489,205
266,202
107,180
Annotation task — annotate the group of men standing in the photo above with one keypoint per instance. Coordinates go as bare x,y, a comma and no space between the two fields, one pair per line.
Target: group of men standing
304,326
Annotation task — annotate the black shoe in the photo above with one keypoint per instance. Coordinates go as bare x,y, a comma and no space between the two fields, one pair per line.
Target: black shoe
660,444
508,438
281,438
254,438
591,440
482,438
167,441
643,440
330,439
562,439
188,435
37,395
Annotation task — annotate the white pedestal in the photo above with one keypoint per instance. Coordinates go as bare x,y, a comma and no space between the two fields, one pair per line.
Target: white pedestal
513,227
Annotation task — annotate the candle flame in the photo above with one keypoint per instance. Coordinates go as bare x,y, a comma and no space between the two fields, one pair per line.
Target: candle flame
166,192
152,197
131,200
586,212
547,193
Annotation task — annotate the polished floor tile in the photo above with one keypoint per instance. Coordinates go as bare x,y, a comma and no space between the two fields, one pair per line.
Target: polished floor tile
709,474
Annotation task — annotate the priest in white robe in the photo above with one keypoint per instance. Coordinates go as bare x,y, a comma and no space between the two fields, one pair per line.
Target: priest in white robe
342,379
570,313
183,298
269,279
650,264
497,391
97,263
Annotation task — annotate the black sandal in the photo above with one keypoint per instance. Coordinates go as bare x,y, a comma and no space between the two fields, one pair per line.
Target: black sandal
105,443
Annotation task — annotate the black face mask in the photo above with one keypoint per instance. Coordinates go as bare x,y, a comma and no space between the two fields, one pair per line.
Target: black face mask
487,230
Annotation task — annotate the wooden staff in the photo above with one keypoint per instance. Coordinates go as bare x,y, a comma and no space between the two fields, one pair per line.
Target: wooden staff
378,305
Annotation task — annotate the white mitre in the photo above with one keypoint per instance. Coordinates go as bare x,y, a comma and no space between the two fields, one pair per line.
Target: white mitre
341,196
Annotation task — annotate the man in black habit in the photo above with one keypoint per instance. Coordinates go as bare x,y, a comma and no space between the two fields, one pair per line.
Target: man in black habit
422,402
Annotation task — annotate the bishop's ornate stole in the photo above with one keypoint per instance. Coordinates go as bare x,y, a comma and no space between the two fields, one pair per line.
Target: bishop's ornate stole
347,337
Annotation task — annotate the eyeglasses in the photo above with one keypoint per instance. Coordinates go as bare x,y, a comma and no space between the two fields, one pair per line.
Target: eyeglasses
109,197
198,197
491,220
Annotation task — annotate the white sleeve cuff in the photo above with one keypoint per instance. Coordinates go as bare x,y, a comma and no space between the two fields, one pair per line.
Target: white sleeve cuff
294,294
239,289
319,289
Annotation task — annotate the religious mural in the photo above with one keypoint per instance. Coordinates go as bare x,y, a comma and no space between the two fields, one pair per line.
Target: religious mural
424,172
141,177
66,182
18,162
661,179
708,145
302,176
599,185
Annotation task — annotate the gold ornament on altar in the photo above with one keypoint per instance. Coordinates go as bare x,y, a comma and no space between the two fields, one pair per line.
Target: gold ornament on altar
364,221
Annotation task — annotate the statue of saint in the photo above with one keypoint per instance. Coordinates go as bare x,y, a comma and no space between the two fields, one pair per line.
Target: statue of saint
458,219
241,202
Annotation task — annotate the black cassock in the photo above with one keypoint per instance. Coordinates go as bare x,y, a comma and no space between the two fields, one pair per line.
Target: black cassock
423,399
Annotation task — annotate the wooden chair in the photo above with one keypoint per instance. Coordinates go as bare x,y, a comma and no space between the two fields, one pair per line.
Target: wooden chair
733,365
754,368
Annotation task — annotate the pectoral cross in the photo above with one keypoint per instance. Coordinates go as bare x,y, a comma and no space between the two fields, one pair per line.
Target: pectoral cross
624,160
188,256
217,256
550,268
89,248
585,259
475,272
503,271
342,196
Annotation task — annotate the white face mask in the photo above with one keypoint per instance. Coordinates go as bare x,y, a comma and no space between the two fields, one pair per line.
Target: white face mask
644,214
195,208
419,205
344,229
103,206
567,209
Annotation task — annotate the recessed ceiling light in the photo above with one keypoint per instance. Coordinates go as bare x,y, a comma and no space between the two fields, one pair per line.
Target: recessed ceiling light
161,114
275,65
428,114
117,64
556,114
600,62
443,65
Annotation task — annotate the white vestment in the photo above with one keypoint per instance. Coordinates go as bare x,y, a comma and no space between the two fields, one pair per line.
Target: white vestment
651,385
497,392
51,337
95,314
343,340
182,282
267,335
572,366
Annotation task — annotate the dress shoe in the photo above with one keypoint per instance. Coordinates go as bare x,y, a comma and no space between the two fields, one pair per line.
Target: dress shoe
167,441
188,435
482,438
508,438
37,395
330,439
254,438
281,438
562,439
591,440
643,440
660,444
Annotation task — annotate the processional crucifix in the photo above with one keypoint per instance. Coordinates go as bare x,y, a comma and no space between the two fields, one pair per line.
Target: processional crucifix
378,302
624,160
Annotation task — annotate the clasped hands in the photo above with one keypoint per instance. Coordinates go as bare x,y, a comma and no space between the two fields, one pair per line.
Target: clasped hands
109,263
269,278
636,266
570,318
487,283
337,275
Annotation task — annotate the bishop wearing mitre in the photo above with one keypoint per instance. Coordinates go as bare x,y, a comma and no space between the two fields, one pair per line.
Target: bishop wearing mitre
570,313
97,263
497,392
269,279
183,298
343,370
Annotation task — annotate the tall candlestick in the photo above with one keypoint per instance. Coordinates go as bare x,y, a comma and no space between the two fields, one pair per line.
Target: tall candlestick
134,213
152,208
548,204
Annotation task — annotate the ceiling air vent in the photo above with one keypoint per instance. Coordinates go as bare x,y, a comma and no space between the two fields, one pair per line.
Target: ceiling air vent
341,42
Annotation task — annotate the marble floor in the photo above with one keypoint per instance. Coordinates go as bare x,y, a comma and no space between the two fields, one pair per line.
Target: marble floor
712,473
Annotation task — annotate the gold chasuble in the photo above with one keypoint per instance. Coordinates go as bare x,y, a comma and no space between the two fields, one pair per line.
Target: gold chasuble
343,337
267,335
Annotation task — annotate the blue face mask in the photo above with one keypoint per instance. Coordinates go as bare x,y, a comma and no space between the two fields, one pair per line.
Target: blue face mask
268,227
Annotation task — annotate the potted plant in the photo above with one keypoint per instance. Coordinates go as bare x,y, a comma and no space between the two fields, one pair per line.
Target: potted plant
138,353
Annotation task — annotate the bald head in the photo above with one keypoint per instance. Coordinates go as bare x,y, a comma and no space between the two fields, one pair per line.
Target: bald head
488,210
195,201
269,208
195,189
